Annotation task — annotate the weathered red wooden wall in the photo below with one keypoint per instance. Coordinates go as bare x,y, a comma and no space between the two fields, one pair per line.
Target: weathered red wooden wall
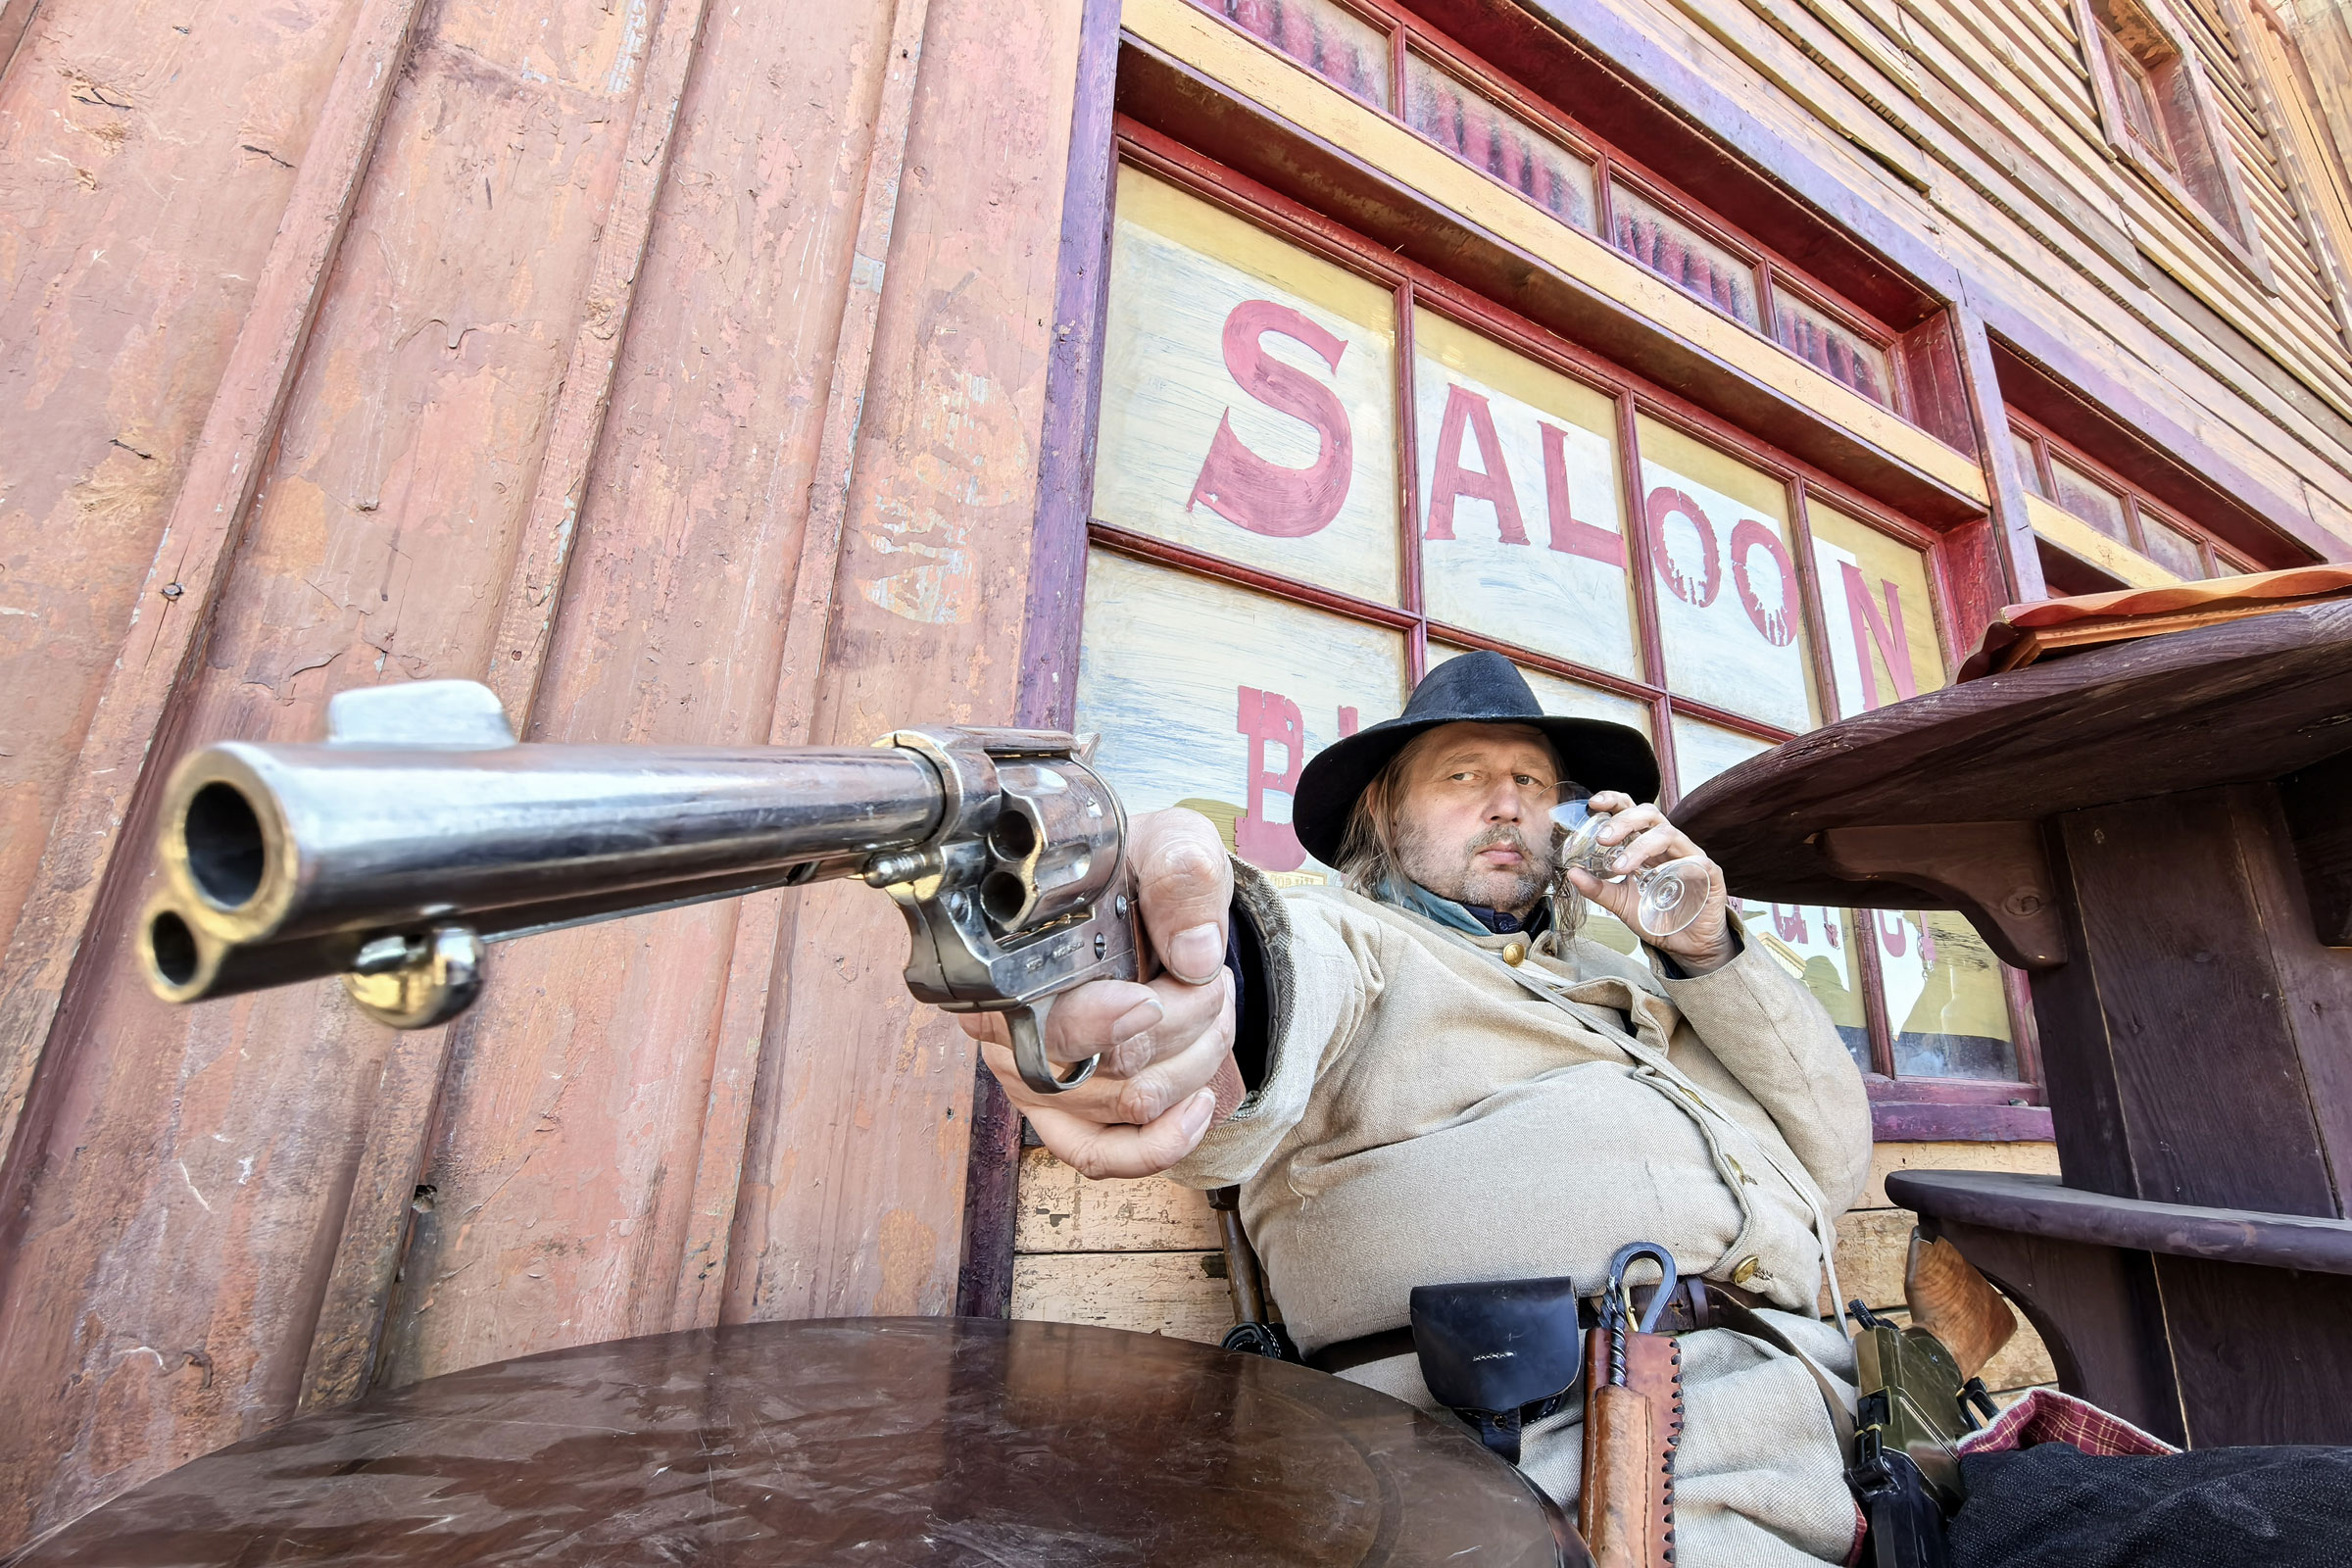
679,369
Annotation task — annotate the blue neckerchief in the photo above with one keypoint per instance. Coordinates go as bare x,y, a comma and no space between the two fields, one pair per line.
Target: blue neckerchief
1470,920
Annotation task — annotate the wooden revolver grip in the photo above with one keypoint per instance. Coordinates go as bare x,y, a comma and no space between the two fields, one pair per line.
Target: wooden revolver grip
1626,1509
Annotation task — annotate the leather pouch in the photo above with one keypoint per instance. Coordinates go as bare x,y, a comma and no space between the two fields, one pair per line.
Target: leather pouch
1498,1343
1498,1352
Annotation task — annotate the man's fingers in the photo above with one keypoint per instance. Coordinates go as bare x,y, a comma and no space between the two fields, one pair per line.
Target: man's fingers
1660,842
1101,1014
1099,1152
1185,885
1180,1054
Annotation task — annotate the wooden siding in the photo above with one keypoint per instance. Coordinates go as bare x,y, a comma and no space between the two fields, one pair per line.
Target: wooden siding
679,369
1993,100
1145,1255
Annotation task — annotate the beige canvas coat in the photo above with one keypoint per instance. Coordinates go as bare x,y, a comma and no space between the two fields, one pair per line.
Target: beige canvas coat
1426,1118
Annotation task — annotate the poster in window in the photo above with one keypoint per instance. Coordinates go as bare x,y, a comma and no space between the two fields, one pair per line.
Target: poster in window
1876,609
1815,945
1248,396
1945,997
1213,697
1731,613
1702,750
1521,518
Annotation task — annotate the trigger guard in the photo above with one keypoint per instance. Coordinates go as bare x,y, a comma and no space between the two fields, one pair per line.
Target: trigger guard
1028,1025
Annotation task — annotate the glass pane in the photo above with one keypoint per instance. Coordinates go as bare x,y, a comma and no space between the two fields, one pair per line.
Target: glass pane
1484,135
1702,750
1816,946
1521,531
2089,500
1248,396
1878,610
2028,472
1575,698
1214,697
1944,999
2170,547
1729,606
1667,245
1333,44
1817,338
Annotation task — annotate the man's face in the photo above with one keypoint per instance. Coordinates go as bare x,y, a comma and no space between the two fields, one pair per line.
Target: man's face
1471,823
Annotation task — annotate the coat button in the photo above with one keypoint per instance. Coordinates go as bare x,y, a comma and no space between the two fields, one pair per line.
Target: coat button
1745,1270
1514,954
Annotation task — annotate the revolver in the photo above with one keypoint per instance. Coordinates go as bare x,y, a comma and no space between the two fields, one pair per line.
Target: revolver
421,830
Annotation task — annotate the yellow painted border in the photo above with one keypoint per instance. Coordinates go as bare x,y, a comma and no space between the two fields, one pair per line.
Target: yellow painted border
2076,537
1240,64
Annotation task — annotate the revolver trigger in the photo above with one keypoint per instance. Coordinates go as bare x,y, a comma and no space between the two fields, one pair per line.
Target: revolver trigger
1027,1022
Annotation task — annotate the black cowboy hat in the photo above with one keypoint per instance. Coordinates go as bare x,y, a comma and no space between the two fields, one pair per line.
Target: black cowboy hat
1483,688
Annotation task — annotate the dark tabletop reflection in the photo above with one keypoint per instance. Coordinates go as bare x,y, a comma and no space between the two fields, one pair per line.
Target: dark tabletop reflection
927,1440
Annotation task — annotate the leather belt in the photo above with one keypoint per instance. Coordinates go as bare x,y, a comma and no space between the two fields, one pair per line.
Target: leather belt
1688,1308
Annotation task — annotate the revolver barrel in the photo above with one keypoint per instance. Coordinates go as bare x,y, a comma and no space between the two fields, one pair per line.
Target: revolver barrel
283,863
420,829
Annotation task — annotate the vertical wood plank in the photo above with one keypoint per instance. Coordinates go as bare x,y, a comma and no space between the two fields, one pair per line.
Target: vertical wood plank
593,1106
853,1192
2015,550
2191,992
138,217
1054,616
196,546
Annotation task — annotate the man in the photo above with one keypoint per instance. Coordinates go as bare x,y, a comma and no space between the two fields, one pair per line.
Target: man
1430,1077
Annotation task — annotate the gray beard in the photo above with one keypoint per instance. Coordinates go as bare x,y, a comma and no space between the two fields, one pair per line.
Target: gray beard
1447,872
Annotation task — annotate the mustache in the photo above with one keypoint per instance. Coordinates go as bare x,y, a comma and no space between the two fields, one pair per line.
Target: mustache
1500,837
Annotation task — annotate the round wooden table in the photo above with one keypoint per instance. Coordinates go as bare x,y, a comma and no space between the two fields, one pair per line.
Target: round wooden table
936,1441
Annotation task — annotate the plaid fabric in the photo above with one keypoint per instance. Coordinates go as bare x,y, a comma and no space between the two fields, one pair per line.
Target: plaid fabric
2047,1416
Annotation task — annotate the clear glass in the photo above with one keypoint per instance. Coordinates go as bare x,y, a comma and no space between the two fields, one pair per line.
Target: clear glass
2089,500
1685,257
1672,892
1327,39
1484,135
1944,996
1839,351
2029,471
2171,548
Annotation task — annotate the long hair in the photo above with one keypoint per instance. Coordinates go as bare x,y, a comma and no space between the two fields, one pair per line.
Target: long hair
1369,857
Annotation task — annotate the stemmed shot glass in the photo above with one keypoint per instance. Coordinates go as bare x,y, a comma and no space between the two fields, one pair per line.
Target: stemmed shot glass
1672,892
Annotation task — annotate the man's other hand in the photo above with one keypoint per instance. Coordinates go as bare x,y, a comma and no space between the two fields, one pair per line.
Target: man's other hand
1642,837
1166,1044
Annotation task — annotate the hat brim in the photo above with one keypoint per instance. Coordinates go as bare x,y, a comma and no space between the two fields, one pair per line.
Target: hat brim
1595,752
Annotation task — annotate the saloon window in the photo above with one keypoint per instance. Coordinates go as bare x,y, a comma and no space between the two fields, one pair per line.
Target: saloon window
1392,61
2115,508
1320,471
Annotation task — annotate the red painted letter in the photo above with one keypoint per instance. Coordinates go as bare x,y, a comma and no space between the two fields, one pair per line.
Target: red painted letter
1243,487
1269,716
1790,926
1893,643
1466,411
1570,536
1700,590
1774,624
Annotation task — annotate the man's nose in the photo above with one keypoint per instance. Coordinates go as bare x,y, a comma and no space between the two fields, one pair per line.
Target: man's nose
1503,803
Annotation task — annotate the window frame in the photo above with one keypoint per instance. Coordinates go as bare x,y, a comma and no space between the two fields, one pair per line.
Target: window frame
1408,31
2229,222
1903,1106
2219,559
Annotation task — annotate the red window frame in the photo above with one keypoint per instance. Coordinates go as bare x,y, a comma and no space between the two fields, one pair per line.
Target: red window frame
1907,1108
2221,560
1772,270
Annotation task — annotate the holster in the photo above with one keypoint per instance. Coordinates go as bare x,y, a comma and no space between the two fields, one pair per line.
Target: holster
1631,1428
